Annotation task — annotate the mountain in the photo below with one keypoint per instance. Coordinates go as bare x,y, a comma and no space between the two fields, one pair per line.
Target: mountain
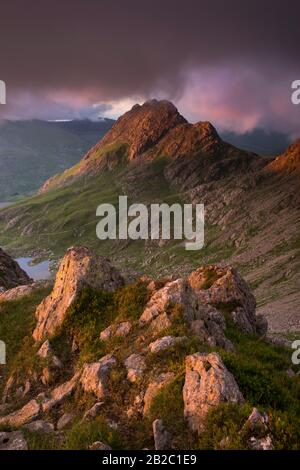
152,154
289,162
259,141
150,132
32,151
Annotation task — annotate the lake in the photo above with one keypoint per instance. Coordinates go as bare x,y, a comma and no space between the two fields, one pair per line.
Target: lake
5,204
37,272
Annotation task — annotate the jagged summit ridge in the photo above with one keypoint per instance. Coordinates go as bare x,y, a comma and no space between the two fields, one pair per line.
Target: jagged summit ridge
143,126
288,162
144,133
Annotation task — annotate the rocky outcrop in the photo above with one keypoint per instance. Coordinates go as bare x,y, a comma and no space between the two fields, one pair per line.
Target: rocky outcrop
65,420
157,309
78,269
40,426
93,412
289,162
117,330
224,288
164,343
136,366
17,292
207,384
95,376
28,413
11,275
60,393
99,445
203,319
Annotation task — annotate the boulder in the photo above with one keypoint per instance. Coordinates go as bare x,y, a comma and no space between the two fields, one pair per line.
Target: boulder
12,441
264,443
257,422
136,366
164,343
116,330
17,292
45,350
162,438
93,412
98,445
154,388
28,413
175,292
207,384
65,420
95,376
223,286
210,327
79,268
60,393
40,426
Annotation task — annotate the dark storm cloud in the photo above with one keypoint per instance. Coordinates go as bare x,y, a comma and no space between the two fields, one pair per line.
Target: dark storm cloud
106,50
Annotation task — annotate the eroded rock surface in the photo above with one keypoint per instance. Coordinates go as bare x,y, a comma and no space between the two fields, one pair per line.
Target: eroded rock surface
79,268
136,366
12,441
208,383
95,376
28,413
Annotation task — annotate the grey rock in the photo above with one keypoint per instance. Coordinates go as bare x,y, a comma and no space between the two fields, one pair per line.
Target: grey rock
93,412
136,366
40,426
95,376
12,441
65,420
162,438
98,445
207,384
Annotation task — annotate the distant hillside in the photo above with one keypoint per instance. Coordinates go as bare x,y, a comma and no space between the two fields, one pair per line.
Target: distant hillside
259,141
32,151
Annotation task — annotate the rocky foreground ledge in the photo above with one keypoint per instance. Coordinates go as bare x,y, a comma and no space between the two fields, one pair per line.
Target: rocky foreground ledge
106,353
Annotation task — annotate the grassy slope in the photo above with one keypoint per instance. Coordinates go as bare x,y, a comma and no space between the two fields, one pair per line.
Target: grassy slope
267,224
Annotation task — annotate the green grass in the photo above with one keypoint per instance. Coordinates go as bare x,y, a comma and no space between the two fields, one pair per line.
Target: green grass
17,321
92,312
81,435
260,370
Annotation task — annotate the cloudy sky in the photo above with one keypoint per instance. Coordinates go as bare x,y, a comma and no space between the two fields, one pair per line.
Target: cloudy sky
231,62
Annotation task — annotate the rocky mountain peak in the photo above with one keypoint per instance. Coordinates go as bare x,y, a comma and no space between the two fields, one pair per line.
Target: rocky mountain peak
288,162
147,132
143,126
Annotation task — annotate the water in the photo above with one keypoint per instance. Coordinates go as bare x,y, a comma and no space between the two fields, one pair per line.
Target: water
5,204
38,271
